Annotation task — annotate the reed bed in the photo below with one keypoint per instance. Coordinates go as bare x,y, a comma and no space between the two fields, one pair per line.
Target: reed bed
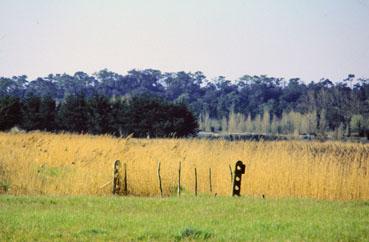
68,164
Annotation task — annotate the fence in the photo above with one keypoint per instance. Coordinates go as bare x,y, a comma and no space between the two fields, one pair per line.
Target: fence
120,183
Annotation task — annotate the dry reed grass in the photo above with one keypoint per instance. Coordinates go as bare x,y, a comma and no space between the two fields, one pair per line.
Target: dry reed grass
42,163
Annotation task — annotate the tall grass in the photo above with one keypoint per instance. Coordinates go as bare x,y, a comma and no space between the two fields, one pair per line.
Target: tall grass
42,163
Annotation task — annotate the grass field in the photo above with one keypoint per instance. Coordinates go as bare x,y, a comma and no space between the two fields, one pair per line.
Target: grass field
88,218
42,163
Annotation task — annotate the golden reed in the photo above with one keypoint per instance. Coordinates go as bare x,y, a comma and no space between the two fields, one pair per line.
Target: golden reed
43,163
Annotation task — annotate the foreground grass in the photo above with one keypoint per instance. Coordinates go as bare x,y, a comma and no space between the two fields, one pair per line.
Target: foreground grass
85,218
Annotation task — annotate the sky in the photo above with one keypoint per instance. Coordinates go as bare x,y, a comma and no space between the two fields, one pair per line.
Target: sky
310,39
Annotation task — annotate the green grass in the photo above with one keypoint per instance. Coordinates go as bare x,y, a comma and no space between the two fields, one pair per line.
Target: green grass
85,218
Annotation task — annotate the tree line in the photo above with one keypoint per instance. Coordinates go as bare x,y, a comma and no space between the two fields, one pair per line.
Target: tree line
141,116
330,105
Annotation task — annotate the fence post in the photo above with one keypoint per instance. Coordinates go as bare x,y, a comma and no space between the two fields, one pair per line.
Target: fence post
179,180
210,185
159,177
195,181
231,173
238,171
117,182
125,182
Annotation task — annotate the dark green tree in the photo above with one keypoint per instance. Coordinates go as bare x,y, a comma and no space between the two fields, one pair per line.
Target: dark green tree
31,113
120,122
154,117
10,112
73,114
99,115
48,114
38,113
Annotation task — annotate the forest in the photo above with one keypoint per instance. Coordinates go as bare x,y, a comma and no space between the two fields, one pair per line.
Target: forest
142,116
253,104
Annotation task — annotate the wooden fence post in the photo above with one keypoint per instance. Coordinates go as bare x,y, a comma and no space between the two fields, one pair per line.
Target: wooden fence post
125,182
238,171
117,182
159,177
179,180
195,181
231,173
210,185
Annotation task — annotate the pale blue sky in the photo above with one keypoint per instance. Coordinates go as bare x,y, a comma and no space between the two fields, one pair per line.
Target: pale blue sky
310,39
